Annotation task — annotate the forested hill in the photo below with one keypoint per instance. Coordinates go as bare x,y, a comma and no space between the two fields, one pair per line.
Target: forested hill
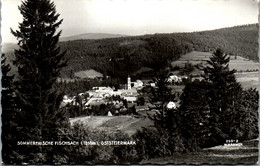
239,40
125,55
119,57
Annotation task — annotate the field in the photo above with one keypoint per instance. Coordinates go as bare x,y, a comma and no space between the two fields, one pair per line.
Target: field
248,79
126,124
247,71
195,57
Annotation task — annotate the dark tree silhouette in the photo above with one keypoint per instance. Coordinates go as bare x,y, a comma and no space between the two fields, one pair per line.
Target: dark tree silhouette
39,63
244,119
166,137
160,96
195,114
224,92
217,108
9,115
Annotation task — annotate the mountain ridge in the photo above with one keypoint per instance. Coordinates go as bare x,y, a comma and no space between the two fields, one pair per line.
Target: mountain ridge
86,36
9,47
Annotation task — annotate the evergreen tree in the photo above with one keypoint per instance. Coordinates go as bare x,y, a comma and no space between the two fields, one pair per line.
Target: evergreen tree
244,123
166,121
223,93
217,108
39,63
195,112
9,113
160,96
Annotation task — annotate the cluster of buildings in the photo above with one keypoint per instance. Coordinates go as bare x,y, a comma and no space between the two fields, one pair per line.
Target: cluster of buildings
130,94
98,95
101,95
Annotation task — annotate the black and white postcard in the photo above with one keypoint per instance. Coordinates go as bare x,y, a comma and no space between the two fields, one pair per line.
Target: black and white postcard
129,82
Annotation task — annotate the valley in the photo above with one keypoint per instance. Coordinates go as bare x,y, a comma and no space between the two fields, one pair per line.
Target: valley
106,63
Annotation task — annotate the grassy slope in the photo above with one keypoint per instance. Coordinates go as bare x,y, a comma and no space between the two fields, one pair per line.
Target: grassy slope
126,124
197,57
247,73
248,79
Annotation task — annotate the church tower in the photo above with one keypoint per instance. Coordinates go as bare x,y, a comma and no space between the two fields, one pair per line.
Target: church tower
128,82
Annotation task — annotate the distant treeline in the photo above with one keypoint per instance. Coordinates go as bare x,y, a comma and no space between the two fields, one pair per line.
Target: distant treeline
119,57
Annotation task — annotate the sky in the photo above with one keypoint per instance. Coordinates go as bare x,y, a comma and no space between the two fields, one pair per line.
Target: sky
138,17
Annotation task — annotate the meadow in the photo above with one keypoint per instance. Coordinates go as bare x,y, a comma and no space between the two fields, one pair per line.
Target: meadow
110,124
247,70
238,63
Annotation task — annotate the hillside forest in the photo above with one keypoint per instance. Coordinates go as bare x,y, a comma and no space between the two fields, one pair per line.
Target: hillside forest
119,57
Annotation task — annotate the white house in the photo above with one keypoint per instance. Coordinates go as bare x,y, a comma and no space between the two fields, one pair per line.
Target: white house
171,105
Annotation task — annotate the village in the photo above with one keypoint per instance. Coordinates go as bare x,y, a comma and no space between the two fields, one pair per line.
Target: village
128,96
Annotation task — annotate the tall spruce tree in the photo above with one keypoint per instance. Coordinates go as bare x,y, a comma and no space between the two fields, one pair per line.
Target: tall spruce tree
224,92
39,63
209,107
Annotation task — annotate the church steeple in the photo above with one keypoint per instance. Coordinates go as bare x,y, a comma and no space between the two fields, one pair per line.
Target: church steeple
129,82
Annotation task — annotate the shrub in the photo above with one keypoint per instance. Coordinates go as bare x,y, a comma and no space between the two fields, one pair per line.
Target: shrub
244,124
152,143
99,154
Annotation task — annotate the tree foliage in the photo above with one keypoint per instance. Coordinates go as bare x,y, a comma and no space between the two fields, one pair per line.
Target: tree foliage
9,115
244,121
39,63
217,108
195,114
224,91
161,94
98,154
156,51
165,138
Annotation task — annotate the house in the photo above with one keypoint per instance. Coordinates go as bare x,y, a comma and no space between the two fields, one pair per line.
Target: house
171,105
130,99
129,94
67,100
138,84
146,82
